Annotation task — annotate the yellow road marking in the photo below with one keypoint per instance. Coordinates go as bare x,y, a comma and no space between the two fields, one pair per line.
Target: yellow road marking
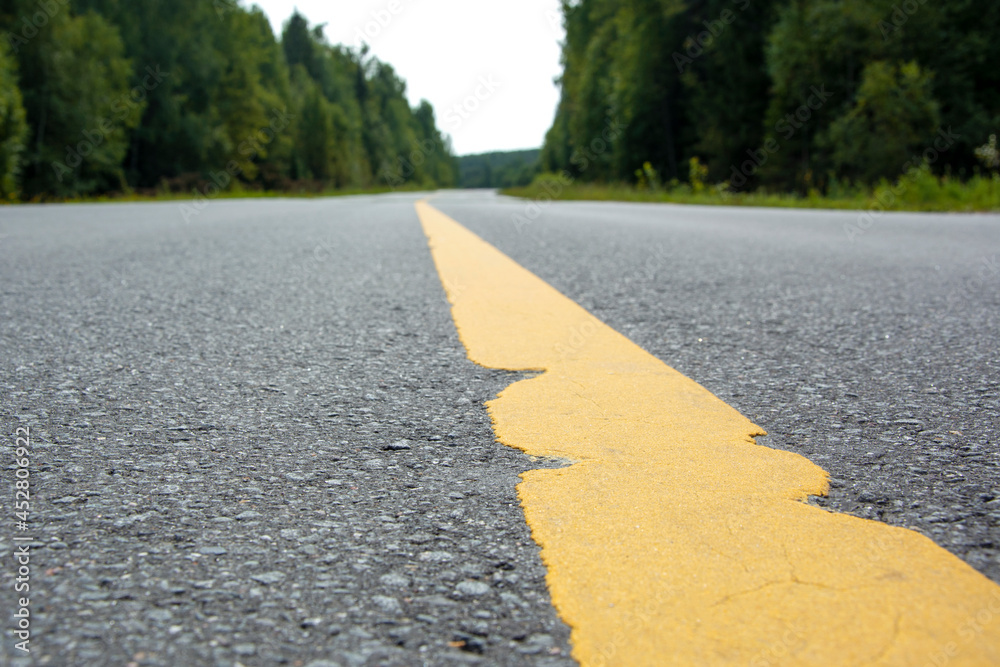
675,539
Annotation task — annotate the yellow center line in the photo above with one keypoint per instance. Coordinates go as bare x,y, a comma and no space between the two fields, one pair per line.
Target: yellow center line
674,539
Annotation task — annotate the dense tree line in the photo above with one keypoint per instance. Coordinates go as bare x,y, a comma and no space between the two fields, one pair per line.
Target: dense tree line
501,169
786,94
109,95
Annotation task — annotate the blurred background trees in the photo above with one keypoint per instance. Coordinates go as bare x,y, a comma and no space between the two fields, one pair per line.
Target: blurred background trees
99,96
13,127
505,169
734,83
789,95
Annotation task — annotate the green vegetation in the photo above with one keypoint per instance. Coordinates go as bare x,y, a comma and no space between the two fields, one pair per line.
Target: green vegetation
498,170
917,190
233,193
13,127
198,97
827,100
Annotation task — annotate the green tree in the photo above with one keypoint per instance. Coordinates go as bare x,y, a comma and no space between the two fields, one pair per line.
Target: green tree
763,82
189,91
80,107
180,132
816,45
647,96
246,99
13,128
957,40
622,101
316,144
439,168
894,118
301,46
727,85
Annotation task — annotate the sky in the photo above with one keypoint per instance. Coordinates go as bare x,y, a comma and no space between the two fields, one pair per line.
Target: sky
487,66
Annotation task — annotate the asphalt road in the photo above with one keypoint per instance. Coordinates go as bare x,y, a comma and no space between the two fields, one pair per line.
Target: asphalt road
256,438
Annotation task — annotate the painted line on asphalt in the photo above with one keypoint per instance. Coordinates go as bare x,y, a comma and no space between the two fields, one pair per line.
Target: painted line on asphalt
674,539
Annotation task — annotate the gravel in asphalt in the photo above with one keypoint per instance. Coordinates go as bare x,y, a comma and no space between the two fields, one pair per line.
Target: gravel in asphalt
256,440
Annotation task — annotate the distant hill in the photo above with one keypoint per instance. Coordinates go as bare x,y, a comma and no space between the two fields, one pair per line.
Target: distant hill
499,169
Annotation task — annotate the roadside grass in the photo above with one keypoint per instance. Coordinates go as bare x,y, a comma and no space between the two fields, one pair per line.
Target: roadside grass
236,193
917,190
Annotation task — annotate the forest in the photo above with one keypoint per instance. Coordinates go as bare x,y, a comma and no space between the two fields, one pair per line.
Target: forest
799,96
110,96
500,169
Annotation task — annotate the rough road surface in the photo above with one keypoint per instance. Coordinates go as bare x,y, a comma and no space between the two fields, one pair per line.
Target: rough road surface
877,358
256,438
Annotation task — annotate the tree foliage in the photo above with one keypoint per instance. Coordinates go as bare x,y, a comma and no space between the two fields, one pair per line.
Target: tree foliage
893,115
13,128
121,94
499,169
75,77
788,94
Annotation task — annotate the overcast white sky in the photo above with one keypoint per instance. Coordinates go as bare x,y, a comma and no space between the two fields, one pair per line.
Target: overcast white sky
443,49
